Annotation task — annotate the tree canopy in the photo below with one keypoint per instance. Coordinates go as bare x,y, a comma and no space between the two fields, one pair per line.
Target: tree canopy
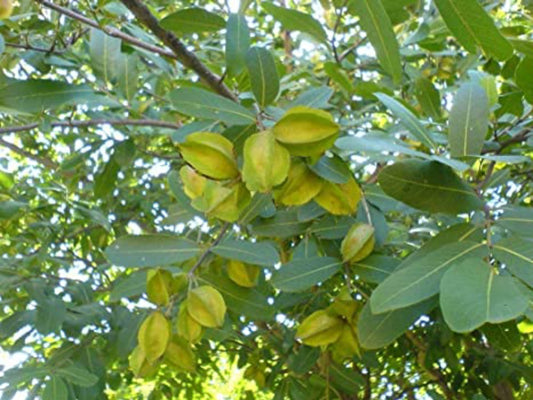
266,200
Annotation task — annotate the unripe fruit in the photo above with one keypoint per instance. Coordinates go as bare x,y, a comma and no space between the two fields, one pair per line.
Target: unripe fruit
188,328
266,162
242,274
358,243
159,286
193,182
180,355
306,131
301,186
154,336
6,8
319,329
222,201
140,365
206,306
210,154
347,345
339,199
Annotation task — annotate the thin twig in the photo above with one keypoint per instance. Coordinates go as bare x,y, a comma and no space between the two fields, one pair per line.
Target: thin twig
108,30
185,57
206,252
41,160
94,122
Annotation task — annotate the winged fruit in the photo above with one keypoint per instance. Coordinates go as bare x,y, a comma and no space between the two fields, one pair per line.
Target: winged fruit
210,154
319,329
206,306
358,243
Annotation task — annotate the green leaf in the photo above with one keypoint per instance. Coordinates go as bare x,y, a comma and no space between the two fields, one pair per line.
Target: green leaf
2,44
345,378
193,20
293,20
16,376
33,96
331,227
517,219
333,169
474,28
472,294
259,253
428,97
429,186
524,78
379,330
132,285
128,75
283,224
55,389
469,121
420,280
105,55
407,119
10,208
263,75
51,313
105,181
243,301
315,97
77,375
503,336
337,74
260,202
203,104
301,274
377,25
150,250
237,43
375,268
517,255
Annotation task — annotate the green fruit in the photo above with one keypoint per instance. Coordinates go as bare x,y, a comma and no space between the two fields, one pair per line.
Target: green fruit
319,329
339,199
6,8
210,154
306,131
358,243
206,306
243,274
154,336
266,162
301,186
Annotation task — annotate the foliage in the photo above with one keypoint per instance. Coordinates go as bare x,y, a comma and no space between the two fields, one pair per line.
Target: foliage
307,199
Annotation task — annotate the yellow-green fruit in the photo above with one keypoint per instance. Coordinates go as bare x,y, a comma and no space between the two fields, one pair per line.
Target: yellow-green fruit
266,162
319,329
339,199
180,355
223,202
193,182
306,131
358,243
206,306
301,186
243,274
344,305
6,8
347,345
140,365
256,374
154,336
159,286
188,328
210,154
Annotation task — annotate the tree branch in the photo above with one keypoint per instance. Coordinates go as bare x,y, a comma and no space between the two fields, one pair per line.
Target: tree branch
185,57
108,30
94,122
15,149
